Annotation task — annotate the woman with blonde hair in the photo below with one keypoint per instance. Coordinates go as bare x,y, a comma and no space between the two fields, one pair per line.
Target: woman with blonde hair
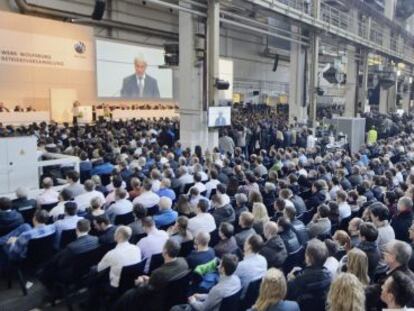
357,264
261,217
346,294
273,292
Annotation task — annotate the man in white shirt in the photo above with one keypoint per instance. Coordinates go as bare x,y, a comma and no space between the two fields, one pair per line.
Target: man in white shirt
148,198
310,141
154,242
343,206
198,184
121,206
84,200
64,196
254,265
49,195
212,184
203,221
124,254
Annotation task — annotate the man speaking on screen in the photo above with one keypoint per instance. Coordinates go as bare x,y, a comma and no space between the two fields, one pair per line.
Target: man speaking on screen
140,84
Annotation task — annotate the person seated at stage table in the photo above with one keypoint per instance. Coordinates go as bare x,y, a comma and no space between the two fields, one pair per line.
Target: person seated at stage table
14,244
18,108
3,108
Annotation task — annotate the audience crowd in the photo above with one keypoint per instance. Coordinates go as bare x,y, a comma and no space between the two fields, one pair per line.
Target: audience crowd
269,220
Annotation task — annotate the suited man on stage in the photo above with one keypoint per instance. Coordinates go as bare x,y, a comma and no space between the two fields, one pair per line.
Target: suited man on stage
140,84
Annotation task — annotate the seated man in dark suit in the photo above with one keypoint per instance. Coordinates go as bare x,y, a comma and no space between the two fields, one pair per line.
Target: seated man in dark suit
60,268
246,221
106,231
22,201
9,218
149,288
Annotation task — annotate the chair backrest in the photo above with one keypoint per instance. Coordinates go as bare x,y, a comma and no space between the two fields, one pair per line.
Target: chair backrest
66,237
187,187
213,192
48,207
40,250
82,263
177,291
186,248
165,227
27,213
151,211
129,274
214,238
294,259
231,303
106,179
156,261
124,219
252,293
134,239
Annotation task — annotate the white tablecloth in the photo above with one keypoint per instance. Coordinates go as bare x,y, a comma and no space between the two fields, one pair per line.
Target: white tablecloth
24,118
143,114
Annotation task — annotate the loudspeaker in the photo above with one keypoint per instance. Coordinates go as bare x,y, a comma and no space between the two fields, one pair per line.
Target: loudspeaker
99,9
276,62
222,85
171,54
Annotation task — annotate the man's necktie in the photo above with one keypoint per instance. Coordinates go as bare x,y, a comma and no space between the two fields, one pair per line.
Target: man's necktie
141,89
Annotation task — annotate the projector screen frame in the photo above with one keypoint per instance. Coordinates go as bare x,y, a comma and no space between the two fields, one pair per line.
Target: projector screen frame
209,116
126,99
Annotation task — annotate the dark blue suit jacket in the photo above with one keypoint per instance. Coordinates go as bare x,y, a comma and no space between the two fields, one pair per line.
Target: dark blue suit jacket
81,245
9,220
130,87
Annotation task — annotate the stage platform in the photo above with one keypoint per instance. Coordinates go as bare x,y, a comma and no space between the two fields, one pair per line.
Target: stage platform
26,118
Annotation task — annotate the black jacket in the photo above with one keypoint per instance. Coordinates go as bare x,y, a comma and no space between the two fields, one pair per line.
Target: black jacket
373,254
108,236
299,204
274,250
224,213
301,231
291,241
316,199
310,288
401,223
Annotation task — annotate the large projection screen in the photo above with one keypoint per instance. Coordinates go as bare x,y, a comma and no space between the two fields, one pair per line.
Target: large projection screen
117,76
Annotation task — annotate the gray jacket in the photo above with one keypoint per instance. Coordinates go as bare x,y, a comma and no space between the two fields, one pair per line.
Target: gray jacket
130,87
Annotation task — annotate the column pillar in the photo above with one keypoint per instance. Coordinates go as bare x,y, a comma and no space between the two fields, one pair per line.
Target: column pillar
193,118
213,55
363,91
314,64
351,81
297,104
